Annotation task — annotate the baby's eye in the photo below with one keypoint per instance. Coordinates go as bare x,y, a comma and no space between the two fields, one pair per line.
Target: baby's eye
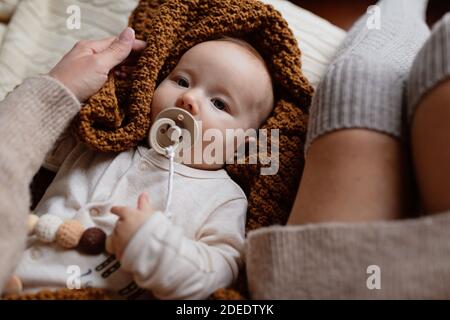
219,104
182,82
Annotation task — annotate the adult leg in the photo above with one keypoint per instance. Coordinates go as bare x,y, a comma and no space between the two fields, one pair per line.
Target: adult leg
429,108
355,163
353,175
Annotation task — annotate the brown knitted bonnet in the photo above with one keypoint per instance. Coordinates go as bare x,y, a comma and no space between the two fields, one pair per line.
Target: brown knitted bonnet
118,116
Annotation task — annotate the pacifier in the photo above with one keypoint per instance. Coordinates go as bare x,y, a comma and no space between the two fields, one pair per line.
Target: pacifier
173,127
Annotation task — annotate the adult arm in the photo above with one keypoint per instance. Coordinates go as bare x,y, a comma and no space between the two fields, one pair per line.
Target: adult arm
33,116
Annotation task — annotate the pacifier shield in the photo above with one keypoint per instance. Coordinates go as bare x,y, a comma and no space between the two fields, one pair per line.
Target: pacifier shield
173,124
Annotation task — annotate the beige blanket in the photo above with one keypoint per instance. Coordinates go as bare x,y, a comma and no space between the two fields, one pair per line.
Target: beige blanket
37,34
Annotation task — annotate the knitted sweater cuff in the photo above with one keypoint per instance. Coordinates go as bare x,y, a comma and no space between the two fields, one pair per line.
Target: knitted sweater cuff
431,65
33,116
357,93
385,260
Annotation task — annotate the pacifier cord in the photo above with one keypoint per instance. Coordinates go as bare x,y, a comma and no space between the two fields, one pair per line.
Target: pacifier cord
170,152
166,134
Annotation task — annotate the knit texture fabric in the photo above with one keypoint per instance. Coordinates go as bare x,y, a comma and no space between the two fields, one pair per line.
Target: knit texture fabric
118,116
36,34
343,260
364,86
32,117
432,64
69,234
63,294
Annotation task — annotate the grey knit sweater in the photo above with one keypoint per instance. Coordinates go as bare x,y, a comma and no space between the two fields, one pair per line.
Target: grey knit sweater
406,259
32,117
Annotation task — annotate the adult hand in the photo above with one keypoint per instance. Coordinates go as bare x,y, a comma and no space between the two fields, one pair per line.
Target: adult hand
84,69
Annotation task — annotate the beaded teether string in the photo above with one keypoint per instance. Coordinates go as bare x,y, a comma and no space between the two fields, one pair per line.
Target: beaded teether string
68,234
71,233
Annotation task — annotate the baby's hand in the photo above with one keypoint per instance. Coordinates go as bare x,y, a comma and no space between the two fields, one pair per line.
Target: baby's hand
130,220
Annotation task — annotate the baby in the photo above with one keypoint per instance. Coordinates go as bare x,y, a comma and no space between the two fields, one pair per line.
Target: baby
224,84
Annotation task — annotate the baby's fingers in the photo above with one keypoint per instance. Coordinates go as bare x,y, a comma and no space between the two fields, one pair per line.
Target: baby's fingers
112,247
121,211
144,202
109,245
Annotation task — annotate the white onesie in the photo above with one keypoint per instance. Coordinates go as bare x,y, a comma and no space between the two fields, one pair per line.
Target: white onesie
198,250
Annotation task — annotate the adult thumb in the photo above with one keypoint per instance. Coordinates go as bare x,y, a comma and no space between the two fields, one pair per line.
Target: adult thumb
119,49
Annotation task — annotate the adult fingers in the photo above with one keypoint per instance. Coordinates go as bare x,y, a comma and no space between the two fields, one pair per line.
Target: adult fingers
139,45
135,53
98,45
118,50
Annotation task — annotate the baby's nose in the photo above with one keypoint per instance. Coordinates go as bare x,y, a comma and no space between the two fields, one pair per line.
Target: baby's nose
188,102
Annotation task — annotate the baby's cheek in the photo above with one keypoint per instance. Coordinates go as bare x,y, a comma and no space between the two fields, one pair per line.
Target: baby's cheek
164,97
228,149
157,104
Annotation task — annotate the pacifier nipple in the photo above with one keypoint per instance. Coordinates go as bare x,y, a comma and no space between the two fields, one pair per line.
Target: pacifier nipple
174,134
173,127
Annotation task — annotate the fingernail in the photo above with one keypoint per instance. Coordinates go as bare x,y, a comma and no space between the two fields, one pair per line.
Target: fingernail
127,35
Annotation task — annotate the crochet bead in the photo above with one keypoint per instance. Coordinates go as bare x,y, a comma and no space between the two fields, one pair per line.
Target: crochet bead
32,221
92,241
69,234
13,285
47,226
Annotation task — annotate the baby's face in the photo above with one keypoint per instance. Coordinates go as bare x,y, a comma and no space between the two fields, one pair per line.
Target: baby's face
222,84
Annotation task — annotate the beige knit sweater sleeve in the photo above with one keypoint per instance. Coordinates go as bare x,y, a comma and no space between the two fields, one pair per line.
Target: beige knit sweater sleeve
32,117
402,259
